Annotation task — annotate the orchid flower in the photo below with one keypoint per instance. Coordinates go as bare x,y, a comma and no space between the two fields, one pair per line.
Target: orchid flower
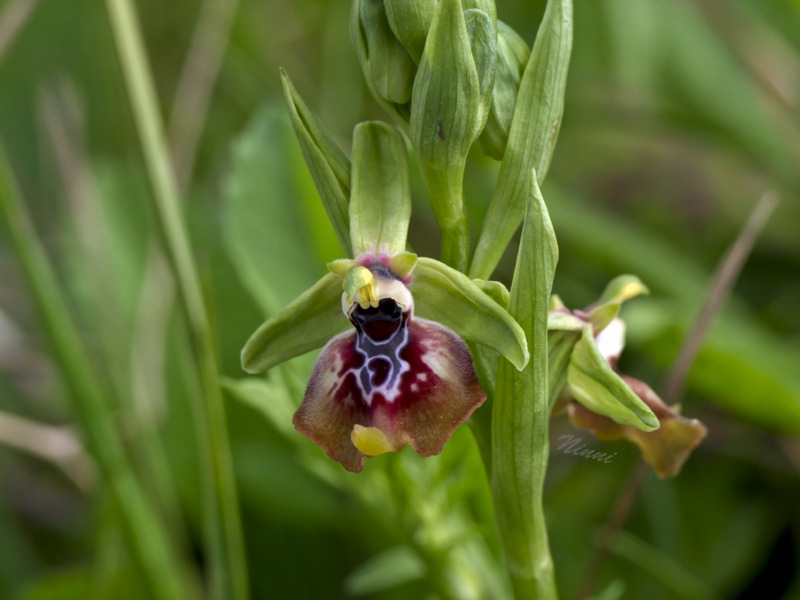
593,384
394,378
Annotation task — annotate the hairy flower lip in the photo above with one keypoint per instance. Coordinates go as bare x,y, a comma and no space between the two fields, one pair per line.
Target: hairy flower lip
394,380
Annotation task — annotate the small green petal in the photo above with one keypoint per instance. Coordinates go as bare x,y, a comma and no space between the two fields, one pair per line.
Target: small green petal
380,202
449,297
402,264
341,266
328,165
594,384
307,323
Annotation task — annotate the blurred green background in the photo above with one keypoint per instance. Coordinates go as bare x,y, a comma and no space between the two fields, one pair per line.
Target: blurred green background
680,114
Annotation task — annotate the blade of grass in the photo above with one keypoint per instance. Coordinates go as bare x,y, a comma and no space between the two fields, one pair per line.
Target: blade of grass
51,443
150,547
722,283
196,83
12,20
224,538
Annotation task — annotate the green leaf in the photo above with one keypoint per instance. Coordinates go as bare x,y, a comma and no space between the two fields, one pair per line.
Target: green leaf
512,56
309,322
266,213
271,399
66,585
449,297
532,137
594,384
380,203
521,413
329,166
384,571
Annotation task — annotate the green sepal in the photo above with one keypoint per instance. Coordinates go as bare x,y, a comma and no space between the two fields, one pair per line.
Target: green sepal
560,344
380,200
512,56
377,50
622,288
532,136
449,297
618,290
495,289
410,21
593,383
307,323
556,303
328,165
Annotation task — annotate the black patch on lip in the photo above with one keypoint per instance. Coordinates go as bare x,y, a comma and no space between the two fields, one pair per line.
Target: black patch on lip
378,323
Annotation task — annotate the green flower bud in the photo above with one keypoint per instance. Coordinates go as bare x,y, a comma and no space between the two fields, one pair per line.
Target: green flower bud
387,65
410,21
483,41
448,111
512,56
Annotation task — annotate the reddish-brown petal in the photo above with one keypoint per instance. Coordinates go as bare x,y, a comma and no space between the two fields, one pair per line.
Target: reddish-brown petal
435,390
333,403
665,449
438,392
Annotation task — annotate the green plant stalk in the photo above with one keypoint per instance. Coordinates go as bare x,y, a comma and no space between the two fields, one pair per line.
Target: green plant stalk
150,546
521,416
448,184
225,544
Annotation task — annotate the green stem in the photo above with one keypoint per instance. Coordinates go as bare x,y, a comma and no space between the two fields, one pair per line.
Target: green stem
223,525
520,417
150,546
446,192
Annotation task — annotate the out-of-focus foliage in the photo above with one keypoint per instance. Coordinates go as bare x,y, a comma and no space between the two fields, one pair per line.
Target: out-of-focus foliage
679,115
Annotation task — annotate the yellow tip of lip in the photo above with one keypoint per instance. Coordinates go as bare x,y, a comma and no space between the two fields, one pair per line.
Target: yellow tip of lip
370,440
